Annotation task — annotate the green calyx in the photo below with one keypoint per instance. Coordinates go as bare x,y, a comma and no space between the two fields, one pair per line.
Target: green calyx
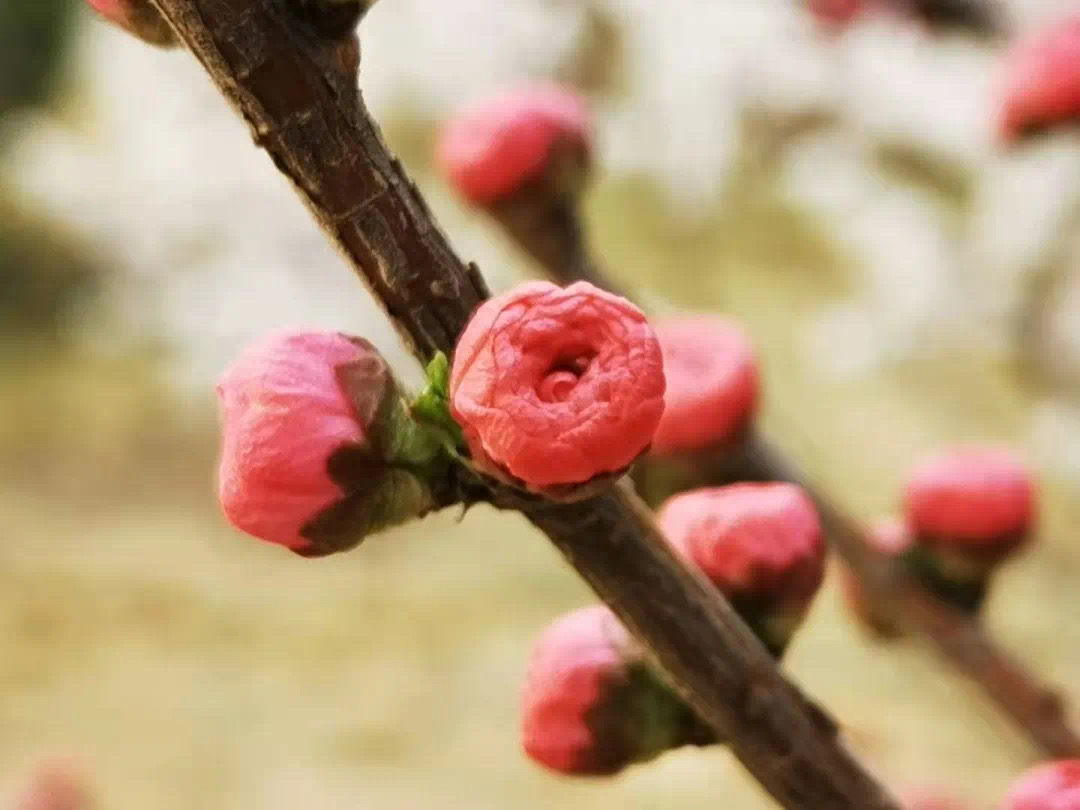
399,473
966,595
660,720
431,408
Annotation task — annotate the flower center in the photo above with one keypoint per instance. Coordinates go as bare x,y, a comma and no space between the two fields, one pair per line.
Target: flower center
562,378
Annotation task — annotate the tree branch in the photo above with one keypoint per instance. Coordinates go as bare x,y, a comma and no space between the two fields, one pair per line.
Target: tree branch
306,112
553,234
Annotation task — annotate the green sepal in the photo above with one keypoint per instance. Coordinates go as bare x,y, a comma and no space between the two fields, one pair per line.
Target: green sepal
431,407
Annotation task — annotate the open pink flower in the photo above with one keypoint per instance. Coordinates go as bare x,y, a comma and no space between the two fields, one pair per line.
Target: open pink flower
496,146
980,498
1053,786
712,382
285,415
760,544
557,386
1041,86
577,666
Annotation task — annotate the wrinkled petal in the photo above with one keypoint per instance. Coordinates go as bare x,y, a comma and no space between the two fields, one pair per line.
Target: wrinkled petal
509,349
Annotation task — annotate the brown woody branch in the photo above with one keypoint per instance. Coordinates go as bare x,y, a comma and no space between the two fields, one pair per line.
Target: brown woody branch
289,85
558,242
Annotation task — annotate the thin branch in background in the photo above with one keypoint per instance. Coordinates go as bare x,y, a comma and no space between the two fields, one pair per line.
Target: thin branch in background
305,110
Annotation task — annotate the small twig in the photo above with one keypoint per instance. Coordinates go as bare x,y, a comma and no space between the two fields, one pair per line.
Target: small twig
959,639
306,112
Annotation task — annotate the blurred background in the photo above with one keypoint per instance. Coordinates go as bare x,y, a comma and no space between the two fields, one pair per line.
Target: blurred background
908,283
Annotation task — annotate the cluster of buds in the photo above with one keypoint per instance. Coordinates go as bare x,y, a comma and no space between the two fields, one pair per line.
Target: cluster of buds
1041,82
966,511
1051,786
591,704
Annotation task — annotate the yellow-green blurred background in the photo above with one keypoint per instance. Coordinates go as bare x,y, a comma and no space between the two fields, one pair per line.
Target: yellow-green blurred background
908,283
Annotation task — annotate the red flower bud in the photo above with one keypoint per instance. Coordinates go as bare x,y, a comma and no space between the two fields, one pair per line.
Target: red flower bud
891,537
590,706
978,499
1052,786
308,425
557,386
138,17
712,383
1041,86
760,544
501,144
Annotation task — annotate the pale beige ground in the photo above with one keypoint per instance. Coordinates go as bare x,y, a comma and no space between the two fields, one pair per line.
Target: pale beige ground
194,668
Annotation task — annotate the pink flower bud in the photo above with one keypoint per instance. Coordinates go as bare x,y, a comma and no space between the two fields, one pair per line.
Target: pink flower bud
501,144
557,386
891,537
712,383
835,13
56,785
138,17
590,706
1041,83
760,544
979,499
1052,786
305,421
576,665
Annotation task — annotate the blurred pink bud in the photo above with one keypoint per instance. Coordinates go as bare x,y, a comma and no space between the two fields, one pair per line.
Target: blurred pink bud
576,666
1041,83
501,144
712,383
56,785
138,17
591,707
760,544
977,498
1053,786
835,13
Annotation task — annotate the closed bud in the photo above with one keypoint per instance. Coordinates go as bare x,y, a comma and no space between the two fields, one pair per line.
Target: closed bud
318,447
969,509
1041,82
761,545
530,139
591,707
